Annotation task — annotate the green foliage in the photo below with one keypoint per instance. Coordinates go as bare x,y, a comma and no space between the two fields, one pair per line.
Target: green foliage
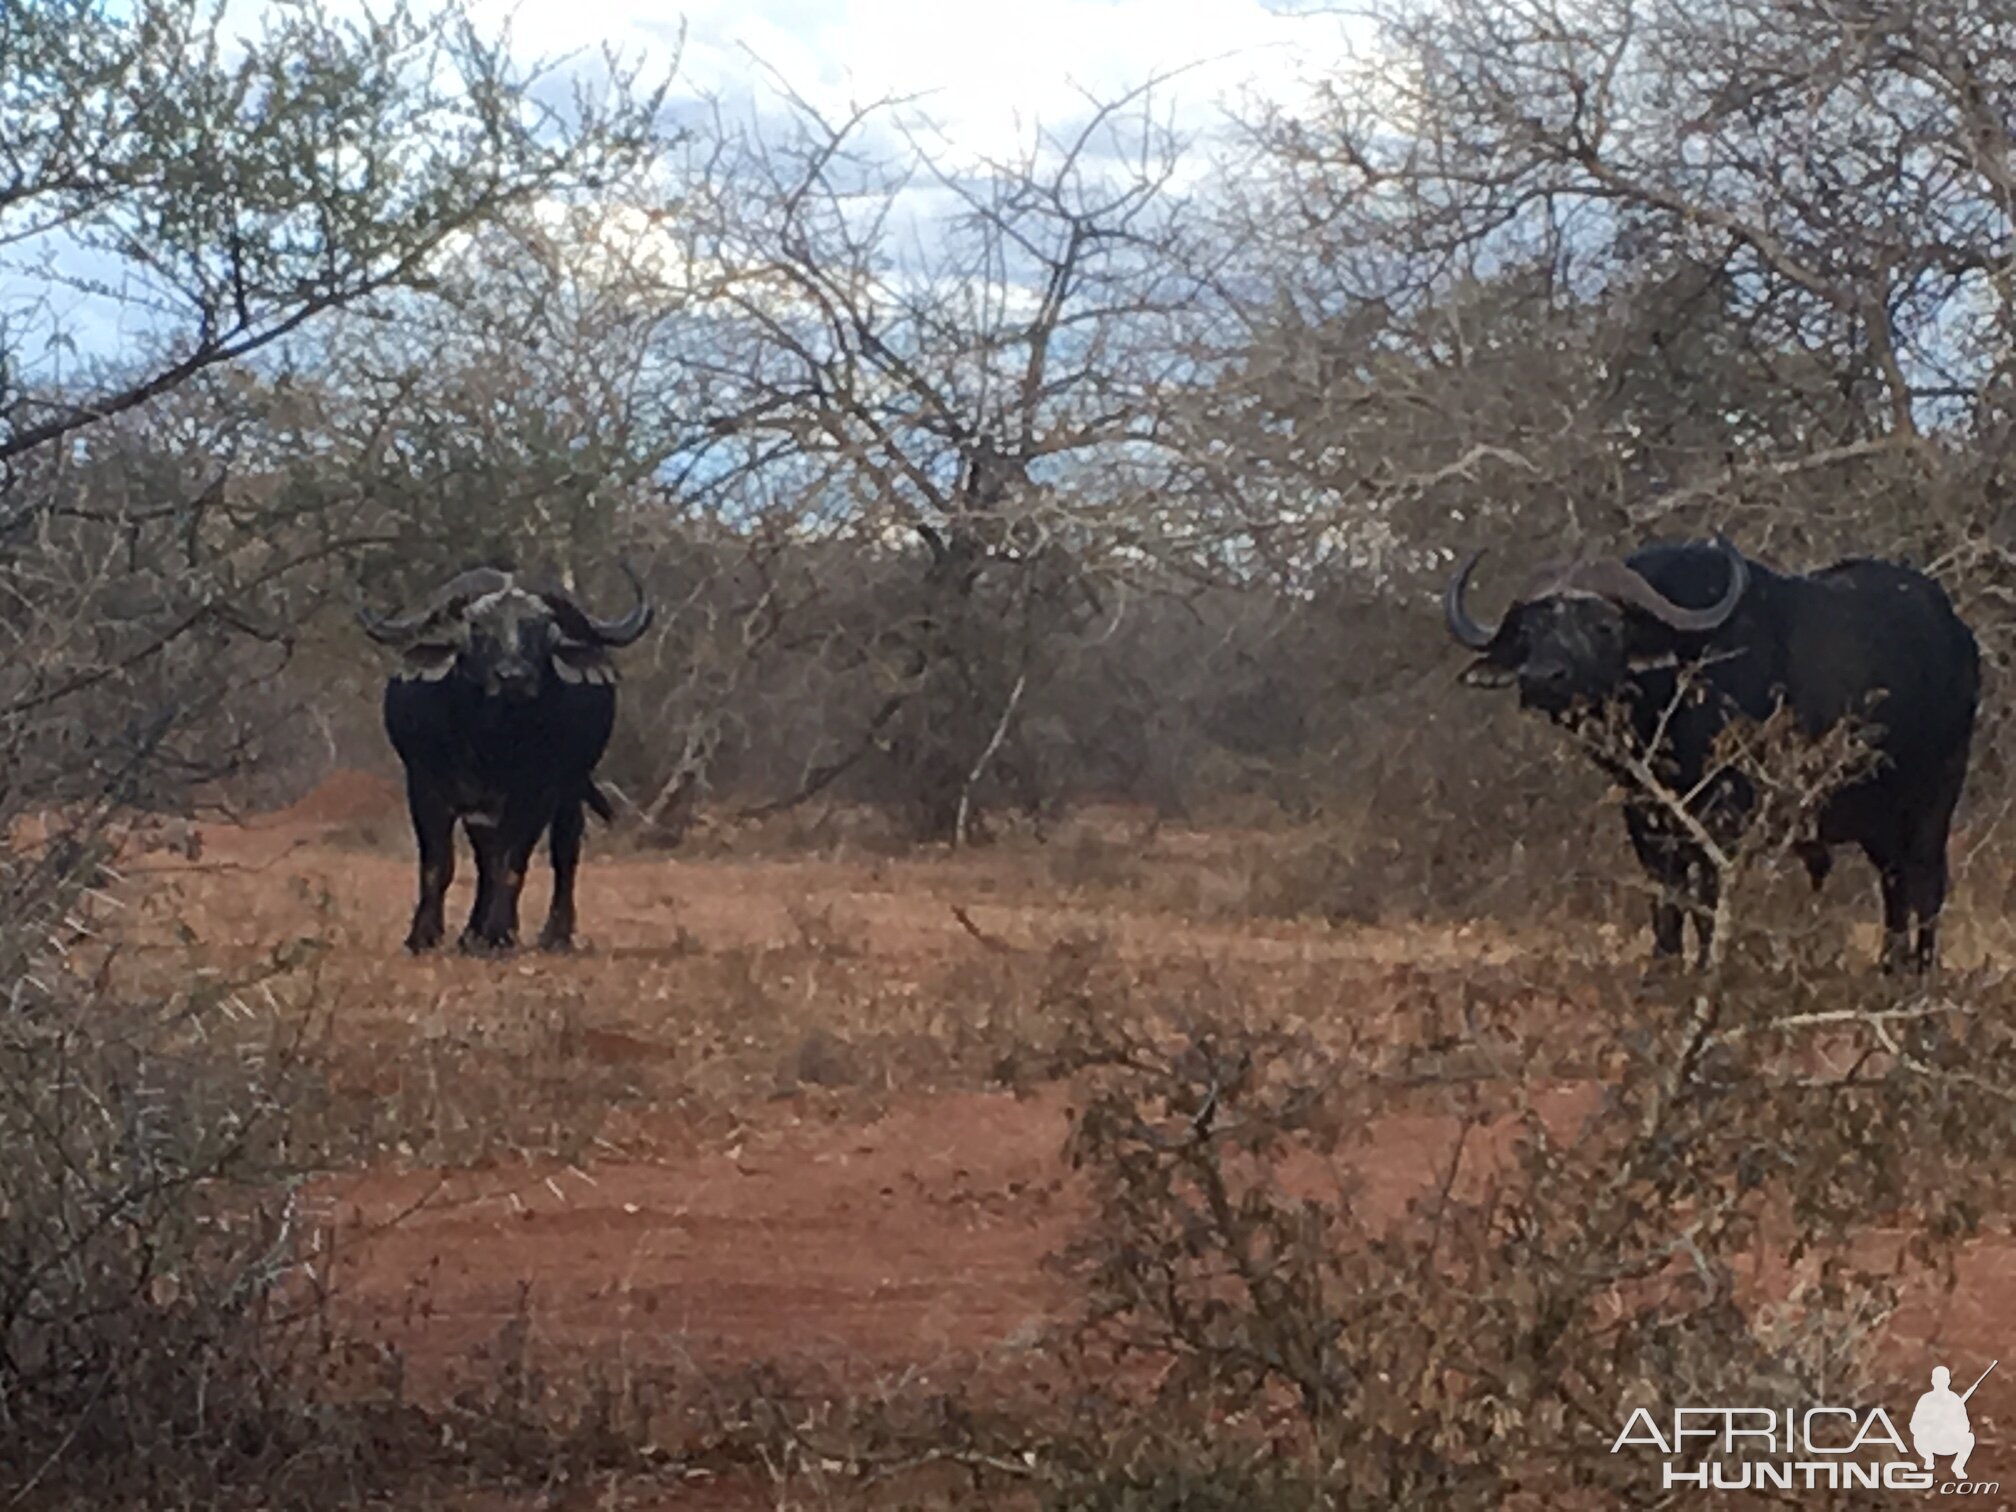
237,188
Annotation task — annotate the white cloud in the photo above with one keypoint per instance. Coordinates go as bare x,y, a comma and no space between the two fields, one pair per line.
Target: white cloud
992,71
989,74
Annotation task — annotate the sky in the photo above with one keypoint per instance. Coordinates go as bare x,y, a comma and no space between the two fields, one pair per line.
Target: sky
992,68
989,75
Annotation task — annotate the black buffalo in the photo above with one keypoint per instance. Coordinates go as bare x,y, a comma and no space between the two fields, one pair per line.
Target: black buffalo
1864,639
501,707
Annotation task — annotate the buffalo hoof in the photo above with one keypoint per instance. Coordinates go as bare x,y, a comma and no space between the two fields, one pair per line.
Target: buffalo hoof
556,942
1660,972
423,938
476,943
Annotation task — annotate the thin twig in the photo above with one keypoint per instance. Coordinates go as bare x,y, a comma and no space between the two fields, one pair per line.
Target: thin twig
986,756
992,942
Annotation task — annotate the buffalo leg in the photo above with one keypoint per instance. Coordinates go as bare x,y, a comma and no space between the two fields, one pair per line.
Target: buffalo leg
1925,882
482,840
1817,860
1893,875
1684,897
1925,894
434,830
493,920
1664,858
568,824
511,886
502,853
1668,926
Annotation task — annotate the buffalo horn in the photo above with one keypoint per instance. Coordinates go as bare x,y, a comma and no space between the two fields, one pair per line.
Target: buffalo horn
584,626
1619,583
449,599
1464,628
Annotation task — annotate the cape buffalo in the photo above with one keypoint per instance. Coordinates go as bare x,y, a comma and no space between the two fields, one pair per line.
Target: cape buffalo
1865,638
501,707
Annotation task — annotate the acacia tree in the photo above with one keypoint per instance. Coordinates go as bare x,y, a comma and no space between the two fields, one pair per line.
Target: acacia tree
210,197
1819,193
514,407
963,368
225,191
526,409
176,202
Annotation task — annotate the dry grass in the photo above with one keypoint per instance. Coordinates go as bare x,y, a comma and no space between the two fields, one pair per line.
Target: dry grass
755,1197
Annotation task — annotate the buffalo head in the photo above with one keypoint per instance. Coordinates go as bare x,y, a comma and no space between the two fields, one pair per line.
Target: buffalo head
487,627
1577,631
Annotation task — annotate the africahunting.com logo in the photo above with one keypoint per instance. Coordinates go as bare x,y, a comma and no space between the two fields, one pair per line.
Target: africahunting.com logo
1821,1448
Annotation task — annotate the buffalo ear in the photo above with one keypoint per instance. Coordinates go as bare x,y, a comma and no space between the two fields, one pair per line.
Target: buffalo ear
1487,673
575,663
427,662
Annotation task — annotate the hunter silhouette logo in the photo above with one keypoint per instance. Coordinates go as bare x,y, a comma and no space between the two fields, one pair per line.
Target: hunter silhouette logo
1817,1448
1939,1422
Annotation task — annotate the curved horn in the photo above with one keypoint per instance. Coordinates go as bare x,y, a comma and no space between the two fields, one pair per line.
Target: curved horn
390,632
448,599
584,626
1616,581
1464,628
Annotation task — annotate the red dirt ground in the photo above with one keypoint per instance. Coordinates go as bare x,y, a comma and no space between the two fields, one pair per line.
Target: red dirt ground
346,797
899,1230
910,1244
